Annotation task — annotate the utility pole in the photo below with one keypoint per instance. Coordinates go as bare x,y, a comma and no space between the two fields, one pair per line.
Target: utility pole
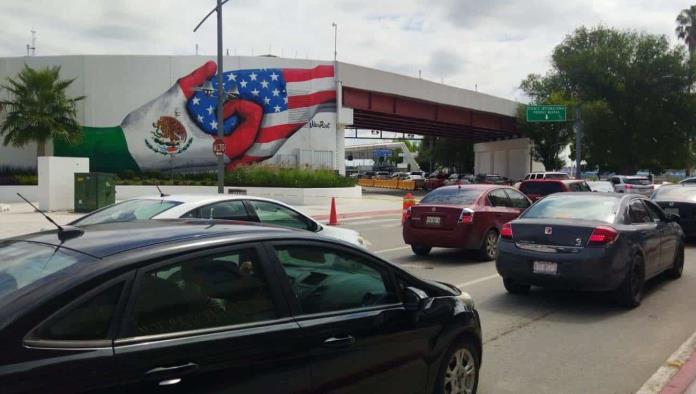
578,143
335,26
220,92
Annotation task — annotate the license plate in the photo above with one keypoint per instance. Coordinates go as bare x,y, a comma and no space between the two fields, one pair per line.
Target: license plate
673,211
545,267
434,220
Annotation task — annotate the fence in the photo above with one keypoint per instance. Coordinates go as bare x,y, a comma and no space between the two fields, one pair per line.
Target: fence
388,183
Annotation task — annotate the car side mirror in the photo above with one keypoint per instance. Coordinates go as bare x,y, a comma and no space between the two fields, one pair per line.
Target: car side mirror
672,217
415,299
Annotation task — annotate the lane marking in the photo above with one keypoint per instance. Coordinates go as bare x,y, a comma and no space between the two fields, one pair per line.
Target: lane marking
391,250
661,379
476,281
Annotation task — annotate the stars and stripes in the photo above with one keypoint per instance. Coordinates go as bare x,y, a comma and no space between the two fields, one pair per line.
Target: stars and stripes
289,97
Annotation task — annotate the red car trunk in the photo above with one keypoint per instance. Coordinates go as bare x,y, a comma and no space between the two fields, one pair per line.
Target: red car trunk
436,216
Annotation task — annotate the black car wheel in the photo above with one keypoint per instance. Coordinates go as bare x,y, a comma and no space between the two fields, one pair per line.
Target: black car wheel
630,293
459,372
678,265
515,288
489,246
420,250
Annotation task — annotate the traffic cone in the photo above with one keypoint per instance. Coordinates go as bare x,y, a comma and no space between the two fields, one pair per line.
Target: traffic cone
408,202
333,218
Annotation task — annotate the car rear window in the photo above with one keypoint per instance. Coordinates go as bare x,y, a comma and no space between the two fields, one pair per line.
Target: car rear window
23,263
454,196
580,207
128,211
637,181
678,193
540,188
557,176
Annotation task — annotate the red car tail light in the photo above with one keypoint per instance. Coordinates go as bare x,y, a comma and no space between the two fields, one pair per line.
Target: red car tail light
602,236
467,216
407,215
629,186
506,231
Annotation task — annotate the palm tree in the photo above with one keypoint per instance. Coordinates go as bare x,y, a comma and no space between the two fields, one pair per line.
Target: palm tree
38,109
686,27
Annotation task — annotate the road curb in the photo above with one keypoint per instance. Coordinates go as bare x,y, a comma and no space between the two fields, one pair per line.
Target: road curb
676,373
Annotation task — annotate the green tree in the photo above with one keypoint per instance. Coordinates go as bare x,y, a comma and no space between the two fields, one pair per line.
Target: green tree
446,152
38,109
395,156
686,27
636,106
549,138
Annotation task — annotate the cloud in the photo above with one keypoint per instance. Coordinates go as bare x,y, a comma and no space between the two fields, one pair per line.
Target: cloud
444,63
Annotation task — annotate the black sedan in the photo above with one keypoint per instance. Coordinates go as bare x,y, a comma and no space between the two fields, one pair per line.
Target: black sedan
224,307
679,200
590,241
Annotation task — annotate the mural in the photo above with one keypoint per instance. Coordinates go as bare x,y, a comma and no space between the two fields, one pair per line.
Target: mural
262,109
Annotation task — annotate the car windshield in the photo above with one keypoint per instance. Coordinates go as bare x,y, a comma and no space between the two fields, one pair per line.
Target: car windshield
23,263
454,196
140,209
637,181
580,207
559,175
678,193
540,188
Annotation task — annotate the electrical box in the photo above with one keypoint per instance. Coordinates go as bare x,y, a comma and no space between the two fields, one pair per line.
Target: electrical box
94,190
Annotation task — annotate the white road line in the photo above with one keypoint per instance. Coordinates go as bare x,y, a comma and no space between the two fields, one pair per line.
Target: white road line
479,280
391,250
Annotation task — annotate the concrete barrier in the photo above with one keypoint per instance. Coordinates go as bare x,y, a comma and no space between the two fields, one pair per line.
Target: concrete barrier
8,194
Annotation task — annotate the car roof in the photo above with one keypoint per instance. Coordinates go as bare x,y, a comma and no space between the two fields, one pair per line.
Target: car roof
187,198
632,176
478,186
551,180
103,240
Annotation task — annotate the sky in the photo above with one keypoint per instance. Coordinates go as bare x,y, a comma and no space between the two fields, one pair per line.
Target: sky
487,45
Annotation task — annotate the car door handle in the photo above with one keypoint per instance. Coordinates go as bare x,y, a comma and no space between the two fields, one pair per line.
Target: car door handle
177,369
343,341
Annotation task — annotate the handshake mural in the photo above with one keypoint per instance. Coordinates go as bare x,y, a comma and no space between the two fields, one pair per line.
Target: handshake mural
262,108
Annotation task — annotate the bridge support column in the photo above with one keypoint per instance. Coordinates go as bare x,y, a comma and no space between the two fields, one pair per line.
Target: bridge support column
509,158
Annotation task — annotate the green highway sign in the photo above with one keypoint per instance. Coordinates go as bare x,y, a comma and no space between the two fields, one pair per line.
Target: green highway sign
546,113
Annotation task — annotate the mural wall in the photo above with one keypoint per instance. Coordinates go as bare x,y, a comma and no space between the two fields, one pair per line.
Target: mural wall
275,110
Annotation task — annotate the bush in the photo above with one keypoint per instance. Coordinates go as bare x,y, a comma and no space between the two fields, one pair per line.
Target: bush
18,176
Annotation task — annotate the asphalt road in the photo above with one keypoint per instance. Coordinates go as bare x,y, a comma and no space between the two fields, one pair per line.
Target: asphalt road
555,341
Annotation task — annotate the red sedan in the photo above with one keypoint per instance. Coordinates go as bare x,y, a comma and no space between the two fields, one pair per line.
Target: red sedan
465,216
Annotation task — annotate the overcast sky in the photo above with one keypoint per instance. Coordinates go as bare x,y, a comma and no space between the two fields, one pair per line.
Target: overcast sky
490,43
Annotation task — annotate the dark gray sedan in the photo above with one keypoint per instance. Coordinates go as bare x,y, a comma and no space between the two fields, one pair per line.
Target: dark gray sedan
591,241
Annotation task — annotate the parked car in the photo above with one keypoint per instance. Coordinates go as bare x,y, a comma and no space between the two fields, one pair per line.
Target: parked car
601,186
435,181
632,184
382,175
367,175
216,206
590,241
691,180
466,216
456,179
155,306
539,188
546,175
679,200
492,179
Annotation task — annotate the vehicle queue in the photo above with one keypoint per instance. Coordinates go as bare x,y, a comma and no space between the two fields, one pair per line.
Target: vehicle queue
183,291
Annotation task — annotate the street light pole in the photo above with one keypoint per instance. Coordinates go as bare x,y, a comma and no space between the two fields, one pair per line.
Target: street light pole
220,92
335,26
578,143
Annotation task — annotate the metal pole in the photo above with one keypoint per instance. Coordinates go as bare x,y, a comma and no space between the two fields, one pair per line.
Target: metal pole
221,103
335,26
578,143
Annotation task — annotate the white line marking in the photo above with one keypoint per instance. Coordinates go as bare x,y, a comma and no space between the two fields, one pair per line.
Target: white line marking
479,280
391,250
663,376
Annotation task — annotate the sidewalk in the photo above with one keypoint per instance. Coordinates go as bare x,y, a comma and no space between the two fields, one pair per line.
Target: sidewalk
21,218
678,373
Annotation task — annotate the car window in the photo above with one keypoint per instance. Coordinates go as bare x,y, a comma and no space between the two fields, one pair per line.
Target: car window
526,177
202,292
638,213
588,206
517,199
451,196
637,181
89,320
128,211
224,210
324,279
655,212
579,187
540,188
278,215
499,198
615,181
675,193
23,264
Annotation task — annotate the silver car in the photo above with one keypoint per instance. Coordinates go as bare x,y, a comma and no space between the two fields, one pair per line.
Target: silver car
632,184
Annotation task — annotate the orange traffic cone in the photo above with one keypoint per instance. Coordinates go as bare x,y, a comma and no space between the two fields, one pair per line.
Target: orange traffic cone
333,218
409,201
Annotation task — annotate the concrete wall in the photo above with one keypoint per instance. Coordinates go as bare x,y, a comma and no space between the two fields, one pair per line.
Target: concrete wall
8,194
510,158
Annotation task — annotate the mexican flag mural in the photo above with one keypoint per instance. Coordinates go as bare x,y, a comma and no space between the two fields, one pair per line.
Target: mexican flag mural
262,109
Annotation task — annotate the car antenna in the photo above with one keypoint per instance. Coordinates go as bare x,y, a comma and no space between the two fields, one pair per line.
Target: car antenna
64,232
162,195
